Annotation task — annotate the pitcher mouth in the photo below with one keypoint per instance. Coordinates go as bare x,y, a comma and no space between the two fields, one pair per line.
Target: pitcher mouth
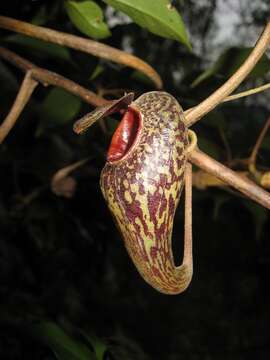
126,135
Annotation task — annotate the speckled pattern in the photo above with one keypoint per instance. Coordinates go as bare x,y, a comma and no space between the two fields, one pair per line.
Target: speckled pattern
143,190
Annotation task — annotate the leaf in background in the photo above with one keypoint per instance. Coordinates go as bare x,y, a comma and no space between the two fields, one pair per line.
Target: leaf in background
260,216
46,12
87,17
58,108
139,76
40,18
98,345
63,346
216,119
229,61
97,71
219,200
158,16
7,78
40,47
209,147
266,143
111,125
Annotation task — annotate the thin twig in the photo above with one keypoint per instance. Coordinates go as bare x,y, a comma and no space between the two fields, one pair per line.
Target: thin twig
247,92
226,144
65,171
82,44
62,184
252,159
237,96
258,143
25,200
47,77
242,184
228,87
23,96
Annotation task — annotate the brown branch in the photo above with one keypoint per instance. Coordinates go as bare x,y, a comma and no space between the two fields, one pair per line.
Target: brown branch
82,44
225,174
47,77
197,157
23,96
231,84
202,179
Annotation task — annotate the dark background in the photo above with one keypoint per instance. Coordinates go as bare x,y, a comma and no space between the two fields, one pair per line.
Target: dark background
62,259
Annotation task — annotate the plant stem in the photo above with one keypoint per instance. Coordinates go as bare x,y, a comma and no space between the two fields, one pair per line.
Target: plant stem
23,96
225,174
78,43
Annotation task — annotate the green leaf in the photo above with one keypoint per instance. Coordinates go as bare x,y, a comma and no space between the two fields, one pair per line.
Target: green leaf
99,346
87,17
40,47
229,61
97,71
158,16
139,76
58,108
63,346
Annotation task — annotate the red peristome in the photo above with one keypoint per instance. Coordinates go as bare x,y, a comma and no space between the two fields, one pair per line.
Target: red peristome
124,136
